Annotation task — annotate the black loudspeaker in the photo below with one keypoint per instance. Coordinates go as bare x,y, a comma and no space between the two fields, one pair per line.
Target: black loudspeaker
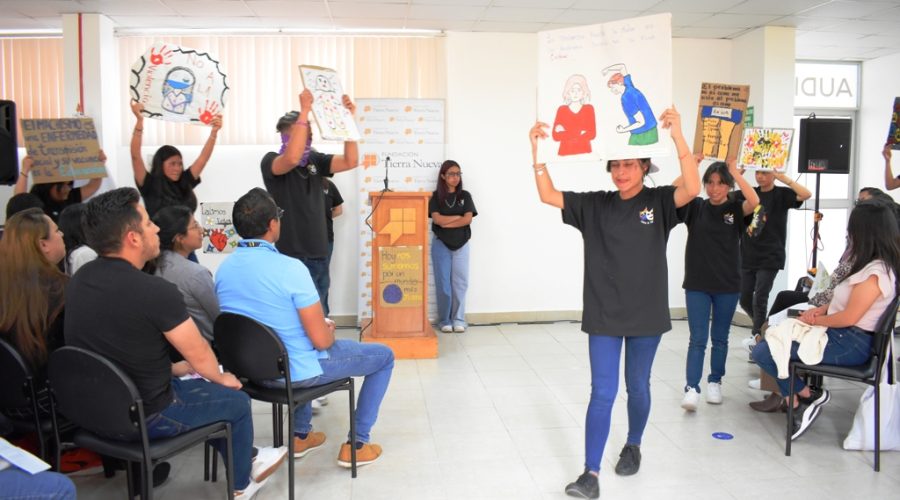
9,154
825,145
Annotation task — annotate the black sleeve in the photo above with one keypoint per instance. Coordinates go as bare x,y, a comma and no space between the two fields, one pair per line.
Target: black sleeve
575,206
667,200
433,204
163,304
266,165
790,198
74,197
688,212
470,205
188,177
336,198
322,162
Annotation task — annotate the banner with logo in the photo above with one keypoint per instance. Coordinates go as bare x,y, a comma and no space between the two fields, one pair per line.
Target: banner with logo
403,142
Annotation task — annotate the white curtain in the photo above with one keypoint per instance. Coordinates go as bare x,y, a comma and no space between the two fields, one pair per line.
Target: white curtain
31,72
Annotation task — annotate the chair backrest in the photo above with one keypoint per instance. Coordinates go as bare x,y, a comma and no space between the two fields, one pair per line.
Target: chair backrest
250,349
15,378
95,394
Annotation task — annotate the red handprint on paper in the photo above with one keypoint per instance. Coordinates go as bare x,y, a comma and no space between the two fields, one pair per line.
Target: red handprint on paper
218,239
161,57
207,115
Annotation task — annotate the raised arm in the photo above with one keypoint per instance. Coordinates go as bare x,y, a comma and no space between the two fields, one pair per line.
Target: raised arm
547,192
800,190
689,187
289,160
751,199
137,162
22,181
201,161
350,158
890,182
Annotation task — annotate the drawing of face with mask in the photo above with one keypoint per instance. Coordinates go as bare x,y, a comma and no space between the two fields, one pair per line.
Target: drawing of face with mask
178,90
323,84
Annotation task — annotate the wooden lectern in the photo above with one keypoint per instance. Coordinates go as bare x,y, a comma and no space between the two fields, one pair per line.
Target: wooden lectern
400,275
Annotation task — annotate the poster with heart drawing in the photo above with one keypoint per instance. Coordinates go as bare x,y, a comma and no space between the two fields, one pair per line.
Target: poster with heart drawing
219,235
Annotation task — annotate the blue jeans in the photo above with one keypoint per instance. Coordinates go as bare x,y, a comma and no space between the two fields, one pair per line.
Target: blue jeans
699,306
605,353
849,346
318,270
349,358
198,403
451,279
16,484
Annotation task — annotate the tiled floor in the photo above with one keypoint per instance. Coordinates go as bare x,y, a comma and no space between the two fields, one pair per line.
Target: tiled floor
501,415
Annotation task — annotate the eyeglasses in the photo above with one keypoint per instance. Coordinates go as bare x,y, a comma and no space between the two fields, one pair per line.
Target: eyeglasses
453,174
279,212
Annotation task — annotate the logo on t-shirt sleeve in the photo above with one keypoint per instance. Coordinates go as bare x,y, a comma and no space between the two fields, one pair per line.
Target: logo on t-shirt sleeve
646,216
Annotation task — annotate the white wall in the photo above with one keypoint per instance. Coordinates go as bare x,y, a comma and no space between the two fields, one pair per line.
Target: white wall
879,88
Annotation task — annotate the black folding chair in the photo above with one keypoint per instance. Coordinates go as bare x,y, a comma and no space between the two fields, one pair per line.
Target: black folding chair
101,399
868,373
254,354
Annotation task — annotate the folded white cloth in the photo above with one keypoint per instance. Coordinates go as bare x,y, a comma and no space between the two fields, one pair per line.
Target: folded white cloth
812,340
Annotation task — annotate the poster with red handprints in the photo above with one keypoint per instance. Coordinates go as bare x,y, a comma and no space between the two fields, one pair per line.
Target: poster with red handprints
333,120
766,148
179,84
219,235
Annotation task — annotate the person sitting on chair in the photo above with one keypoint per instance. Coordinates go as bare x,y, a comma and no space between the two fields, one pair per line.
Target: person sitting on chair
261,283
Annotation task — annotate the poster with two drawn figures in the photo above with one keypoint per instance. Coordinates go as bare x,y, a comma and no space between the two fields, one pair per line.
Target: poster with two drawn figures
333,120
766,148
601,88
720,120
179,84
63,149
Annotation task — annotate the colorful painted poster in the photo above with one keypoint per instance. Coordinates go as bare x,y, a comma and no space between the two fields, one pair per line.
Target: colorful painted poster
601,89
63,149
179,84
720,120
219,235
894,132
402,140
766,148
333,120
401,276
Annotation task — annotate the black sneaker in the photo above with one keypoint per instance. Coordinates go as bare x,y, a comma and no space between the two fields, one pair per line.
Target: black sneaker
804,415
817,397
586,486
629,460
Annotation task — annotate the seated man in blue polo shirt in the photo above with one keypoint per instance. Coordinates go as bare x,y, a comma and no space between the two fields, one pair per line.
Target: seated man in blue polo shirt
259,282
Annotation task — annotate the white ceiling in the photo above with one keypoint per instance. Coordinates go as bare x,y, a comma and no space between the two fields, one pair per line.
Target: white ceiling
826,29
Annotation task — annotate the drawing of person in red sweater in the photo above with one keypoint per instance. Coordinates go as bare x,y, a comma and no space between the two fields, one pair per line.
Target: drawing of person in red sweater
575,127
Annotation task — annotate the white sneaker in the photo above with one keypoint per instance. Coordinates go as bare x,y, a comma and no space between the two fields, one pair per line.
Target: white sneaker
266,462
714,393
251,490
459,329
323,400
316,406
447,329
754,384
691,398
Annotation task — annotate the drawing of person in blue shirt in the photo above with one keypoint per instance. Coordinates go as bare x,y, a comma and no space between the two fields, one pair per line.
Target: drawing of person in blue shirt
641,120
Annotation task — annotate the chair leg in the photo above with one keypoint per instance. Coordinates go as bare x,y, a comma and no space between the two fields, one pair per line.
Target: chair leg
877,427
790,413
290,456
229,462
146,481
206,461
352,430
129,480
276,414
215,463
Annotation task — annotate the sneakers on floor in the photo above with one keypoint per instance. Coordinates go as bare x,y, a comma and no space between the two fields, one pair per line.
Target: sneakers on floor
459,328
323,400
714,393
314,440
629,460
366,453
690,400
447,328
251,490
586,486
267,461
755,384
808,411
316,406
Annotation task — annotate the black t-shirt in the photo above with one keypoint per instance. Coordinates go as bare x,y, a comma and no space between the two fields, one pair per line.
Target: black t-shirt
332,199
626,290
52,207
160,192
455,204
299,193
766,250
712,258
119,312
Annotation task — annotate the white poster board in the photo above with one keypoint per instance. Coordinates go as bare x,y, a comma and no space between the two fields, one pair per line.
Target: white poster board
219,235
601,88
333,120
179,84
767,149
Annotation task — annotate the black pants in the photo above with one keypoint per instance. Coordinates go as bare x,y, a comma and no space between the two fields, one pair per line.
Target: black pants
756,284
787,298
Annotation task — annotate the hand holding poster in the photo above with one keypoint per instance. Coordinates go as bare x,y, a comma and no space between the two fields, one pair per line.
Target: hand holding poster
766,148
179,84
63,149
893,139
720,120
334,121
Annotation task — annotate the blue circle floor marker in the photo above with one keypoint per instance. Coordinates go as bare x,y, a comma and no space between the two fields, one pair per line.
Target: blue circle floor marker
722,435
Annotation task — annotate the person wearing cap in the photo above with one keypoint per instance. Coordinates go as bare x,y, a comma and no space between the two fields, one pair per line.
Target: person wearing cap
293,176
625,286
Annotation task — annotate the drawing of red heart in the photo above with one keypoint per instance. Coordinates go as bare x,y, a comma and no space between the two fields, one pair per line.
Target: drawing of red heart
218,239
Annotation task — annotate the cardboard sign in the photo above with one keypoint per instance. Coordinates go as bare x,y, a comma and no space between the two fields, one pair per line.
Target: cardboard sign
720,120
219,235
63,149
766,148
179,84
894,131
333,120
401,276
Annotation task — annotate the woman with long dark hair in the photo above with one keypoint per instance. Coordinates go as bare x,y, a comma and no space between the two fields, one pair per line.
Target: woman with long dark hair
858,301
451,210
78,253
168,183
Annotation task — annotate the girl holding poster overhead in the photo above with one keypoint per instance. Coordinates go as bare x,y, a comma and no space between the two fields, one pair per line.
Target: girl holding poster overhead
625,287
167,183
